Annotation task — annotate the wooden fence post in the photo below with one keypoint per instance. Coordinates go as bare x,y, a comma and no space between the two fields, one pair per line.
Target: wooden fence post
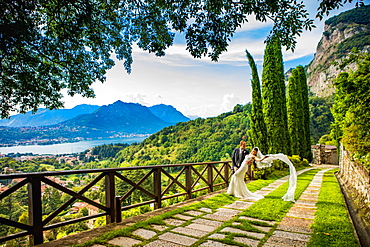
35,210
188,182
110,195
157,188
210,177
226,174
118,209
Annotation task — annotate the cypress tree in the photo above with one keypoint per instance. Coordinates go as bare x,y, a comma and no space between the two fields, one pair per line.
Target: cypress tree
258,132
274,99
305,114
294,111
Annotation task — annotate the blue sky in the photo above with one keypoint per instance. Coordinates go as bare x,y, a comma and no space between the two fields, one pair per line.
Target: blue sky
198,86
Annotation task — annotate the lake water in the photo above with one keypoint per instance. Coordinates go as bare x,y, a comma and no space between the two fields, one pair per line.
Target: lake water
65,148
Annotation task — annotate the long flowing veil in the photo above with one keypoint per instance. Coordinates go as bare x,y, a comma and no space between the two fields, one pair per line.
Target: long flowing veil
289,196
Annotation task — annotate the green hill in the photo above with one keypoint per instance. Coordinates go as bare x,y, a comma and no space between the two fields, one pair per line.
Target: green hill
199,140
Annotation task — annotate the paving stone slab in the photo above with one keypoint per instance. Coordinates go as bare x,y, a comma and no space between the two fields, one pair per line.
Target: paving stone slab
239,205
162,243
236,223
190,232
315,192
305,202
312,188
305,210
309,197
271,223
177,239
296,222
311,192
217,217
247,241
291,235
183,217
200,227
317,180
217,236
207,210
227,212
211,243
274,241
263,228
269,188
300,215
295,229
174,222
305,206
262,192
208,222
247,233
194,213
98,245
159,227
124,241
144,233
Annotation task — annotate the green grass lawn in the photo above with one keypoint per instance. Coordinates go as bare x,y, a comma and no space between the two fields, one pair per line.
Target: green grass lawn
332,226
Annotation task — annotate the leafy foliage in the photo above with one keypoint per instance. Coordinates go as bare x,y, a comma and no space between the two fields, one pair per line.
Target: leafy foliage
258,131
351,108
304,109
274,99
358,40
360,16
108,151
49,46
294,112
320,117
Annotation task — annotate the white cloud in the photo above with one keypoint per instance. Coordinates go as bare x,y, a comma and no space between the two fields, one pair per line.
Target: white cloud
137,98
229,101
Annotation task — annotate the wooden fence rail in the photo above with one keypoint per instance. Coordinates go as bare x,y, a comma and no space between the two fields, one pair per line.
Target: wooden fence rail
212,174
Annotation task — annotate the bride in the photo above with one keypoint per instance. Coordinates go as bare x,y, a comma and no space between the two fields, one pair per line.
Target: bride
237,186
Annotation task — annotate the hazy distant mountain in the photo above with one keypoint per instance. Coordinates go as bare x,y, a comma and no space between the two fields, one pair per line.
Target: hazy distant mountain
168,113
192,117
124,117
45,117
109,121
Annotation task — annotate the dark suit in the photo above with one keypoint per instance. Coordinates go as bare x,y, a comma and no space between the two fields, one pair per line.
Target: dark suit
238,157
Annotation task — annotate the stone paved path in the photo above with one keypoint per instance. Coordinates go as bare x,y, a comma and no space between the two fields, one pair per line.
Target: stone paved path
293,230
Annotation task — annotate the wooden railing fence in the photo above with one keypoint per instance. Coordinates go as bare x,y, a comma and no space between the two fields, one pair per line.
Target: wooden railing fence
188,179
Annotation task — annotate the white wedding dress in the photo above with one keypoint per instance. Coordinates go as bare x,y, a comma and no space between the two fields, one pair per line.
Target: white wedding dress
238,188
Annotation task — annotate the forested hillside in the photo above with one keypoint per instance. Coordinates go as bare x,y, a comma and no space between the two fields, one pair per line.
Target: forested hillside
199,140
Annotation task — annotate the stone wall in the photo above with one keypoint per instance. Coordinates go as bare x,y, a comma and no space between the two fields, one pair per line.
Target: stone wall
323,154
355,179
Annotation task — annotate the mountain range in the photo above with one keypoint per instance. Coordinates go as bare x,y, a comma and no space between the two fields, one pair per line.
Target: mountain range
44,117
87,121
128,118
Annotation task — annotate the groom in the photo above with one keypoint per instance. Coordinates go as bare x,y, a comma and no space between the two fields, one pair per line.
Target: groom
238,156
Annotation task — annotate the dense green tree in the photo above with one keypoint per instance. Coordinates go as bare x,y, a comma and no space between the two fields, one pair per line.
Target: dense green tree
274,99
48,46
304,115
351,109
299,114
294,116
320,117
258,132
